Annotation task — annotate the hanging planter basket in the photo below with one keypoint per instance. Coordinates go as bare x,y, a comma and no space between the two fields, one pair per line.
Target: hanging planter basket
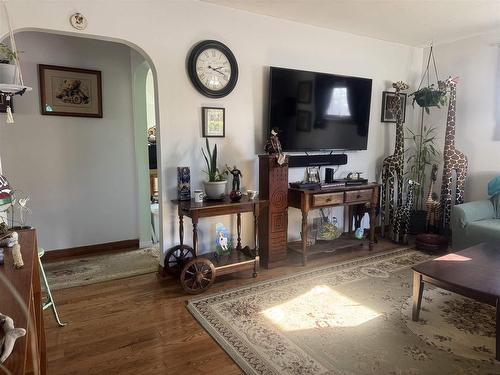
429,96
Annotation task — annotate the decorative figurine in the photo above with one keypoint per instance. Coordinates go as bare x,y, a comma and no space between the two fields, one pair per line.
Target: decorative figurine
454,160
236,176
183,183
235,194
402,216
432,203
223,243
11,334
273,146
393,167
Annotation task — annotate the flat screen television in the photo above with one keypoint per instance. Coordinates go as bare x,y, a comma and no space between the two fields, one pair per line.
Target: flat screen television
319,111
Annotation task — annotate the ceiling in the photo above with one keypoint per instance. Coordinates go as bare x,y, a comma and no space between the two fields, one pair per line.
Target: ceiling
410,22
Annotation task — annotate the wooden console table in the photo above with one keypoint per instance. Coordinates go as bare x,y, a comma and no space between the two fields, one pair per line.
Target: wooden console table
347,196
29,355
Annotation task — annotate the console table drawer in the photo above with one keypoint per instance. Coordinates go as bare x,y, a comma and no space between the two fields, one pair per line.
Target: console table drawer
358,196
329,199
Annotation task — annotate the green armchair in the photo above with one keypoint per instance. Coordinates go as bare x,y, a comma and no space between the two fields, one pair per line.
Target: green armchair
475,222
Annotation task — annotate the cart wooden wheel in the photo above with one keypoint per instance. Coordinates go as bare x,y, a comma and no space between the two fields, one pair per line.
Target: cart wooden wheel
197,276
176,258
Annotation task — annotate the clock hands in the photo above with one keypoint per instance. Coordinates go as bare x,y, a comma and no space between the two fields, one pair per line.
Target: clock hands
217,70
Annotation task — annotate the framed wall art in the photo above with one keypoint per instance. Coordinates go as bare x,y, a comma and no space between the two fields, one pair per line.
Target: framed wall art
70,91
388,107
213,122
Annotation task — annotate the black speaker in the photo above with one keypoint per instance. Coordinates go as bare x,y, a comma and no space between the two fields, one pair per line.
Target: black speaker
316,160
329,173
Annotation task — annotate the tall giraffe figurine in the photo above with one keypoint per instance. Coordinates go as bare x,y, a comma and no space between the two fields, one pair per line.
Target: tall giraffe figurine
432,203
454,160
402,217
393,165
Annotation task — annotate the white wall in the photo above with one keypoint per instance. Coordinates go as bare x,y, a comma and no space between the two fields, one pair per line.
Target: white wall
167,30
476,62
79,172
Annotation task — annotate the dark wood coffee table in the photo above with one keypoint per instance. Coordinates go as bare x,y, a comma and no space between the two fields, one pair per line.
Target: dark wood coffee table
473,272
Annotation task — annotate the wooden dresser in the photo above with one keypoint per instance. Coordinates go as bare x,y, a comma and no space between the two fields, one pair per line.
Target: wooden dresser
29,355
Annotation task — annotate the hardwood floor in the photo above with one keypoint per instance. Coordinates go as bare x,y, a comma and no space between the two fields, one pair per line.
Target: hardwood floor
140,325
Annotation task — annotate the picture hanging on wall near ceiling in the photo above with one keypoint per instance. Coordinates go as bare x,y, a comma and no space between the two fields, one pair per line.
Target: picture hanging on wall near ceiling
388,107
3,105
70,91
213,120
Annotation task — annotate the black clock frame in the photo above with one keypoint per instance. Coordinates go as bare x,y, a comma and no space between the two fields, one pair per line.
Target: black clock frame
196,51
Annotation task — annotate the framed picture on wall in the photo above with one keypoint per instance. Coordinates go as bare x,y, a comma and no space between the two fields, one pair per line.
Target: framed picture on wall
70,91
389,108
213,120
3,104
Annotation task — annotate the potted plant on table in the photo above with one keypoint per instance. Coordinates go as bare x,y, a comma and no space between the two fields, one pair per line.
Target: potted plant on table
7,67
215,187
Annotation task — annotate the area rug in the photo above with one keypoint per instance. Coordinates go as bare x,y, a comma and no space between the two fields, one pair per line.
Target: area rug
347,318
94,269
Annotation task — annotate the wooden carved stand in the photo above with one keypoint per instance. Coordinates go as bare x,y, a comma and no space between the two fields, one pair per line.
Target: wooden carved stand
198,271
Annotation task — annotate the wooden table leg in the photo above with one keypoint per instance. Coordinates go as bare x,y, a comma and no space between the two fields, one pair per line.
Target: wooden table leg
418,288
238,228
373,216
195,236
181,230
304,237
256,264
497,344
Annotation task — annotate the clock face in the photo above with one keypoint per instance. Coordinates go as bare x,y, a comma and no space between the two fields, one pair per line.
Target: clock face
212,68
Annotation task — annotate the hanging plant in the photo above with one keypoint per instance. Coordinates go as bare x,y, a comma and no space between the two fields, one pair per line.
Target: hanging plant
429,96
7,55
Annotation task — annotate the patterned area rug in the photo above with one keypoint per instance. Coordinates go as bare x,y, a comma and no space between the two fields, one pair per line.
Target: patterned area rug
347,318
98,268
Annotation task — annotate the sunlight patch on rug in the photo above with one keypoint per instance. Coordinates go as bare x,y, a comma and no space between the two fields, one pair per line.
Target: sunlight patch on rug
342,319
321,307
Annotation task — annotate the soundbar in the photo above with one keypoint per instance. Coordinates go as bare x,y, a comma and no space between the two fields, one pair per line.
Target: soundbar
296,161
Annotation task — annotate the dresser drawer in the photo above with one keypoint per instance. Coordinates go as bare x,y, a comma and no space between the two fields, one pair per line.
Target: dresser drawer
358,196
328,199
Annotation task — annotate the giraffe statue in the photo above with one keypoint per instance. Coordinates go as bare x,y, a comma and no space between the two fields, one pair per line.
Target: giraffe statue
402,216
432,203
454,160
393,165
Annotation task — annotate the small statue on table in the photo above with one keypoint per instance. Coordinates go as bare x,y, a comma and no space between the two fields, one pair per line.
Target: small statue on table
235,194
273,146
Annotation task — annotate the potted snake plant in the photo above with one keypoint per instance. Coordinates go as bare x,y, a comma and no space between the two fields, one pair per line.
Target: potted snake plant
7,65
215,187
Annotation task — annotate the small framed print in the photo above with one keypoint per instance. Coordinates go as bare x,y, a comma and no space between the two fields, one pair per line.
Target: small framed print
70,91
389,108
213,121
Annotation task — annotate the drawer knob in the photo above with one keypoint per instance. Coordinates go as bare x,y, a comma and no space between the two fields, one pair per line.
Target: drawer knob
328,199
358,196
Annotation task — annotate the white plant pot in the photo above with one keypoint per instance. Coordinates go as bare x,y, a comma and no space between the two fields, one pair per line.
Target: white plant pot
8,74
215,190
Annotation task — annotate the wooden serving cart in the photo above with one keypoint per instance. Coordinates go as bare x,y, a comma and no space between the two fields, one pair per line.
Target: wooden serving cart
197,272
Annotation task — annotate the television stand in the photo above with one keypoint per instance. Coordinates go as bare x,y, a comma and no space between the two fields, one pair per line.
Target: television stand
347,196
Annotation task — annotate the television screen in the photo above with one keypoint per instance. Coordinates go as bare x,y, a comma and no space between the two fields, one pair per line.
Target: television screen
318,111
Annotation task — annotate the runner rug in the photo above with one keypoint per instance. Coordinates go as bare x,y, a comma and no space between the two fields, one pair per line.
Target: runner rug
350,318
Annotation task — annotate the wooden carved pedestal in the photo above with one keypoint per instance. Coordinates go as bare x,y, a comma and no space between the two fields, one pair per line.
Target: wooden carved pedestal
273,223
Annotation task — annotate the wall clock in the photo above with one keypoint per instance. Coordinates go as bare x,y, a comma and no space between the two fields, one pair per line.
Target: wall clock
212,68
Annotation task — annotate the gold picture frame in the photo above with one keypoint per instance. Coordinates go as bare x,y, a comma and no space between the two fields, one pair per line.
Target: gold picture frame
68,91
